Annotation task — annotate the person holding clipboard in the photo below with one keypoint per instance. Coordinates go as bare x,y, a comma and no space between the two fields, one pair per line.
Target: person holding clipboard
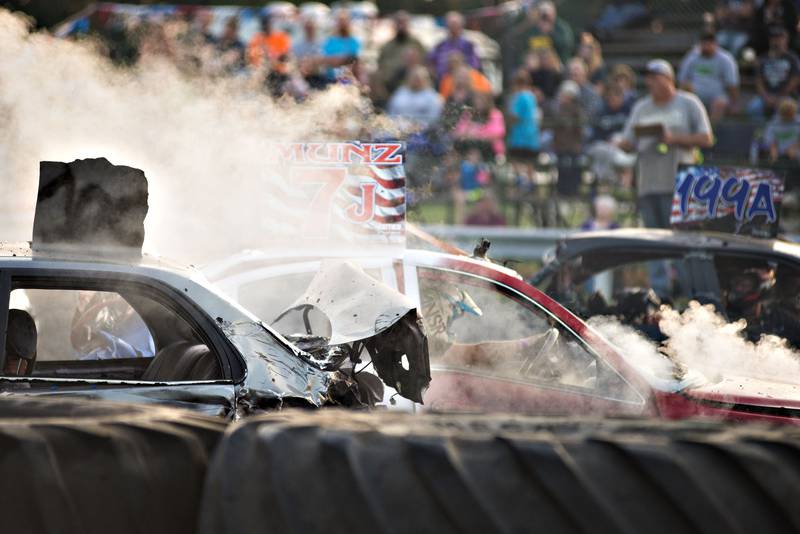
664,128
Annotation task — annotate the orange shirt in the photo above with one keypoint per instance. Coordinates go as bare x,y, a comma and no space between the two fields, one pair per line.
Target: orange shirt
478,81
271,46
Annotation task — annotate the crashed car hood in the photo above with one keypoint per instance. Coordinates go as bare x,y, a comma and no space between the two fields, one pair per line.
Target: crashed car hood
748,391
359,308
357,305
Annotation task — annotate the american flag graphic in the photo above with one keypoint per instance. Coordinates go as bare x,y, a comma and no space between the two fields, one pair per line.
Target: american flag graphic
356,203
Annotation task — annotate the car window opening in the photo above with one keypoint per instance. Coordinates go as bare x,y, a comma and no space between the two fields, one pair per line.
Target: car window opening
102,335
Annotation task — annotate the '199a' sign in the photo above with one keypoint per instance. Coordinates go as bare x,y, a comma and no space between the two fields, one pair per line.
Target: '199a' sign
711,193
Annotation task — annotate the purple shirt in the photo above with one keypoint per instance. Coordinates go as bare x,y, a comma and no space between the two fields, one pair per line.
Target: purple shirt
439,55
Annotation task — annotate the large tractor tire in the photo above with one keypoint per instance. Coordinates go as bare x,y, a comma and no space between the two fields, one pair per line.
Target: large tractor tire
84,466
337,472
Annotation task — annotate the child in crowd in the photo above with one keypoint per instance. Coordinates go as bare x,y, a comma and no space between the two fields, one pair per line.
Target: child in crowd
604,216
568,131
473,177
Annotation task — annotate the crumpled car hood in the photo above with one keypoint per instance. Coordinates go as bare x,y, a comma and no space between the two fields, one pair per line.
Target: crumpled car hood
357,305
358,309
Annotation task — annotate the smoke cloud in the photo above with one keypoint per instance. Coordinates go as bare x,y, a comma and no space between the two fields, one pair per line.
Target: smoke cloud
201,143
702,340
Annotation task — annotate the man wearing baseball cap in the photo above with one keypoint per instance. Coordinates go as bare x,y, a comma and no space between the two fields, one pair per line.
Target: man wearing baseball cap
664,129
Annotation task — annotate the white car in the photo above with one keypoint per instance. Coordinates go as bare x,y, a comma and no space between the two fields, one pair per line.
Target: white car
141,329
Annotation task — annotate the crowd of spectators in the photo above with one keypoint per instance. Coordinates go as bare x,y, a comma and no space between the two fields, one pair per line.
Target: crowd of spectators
565,127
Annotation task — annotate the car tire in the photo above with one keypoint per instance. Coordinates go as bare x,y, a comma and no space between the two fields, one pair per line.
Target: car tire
332,471
87,466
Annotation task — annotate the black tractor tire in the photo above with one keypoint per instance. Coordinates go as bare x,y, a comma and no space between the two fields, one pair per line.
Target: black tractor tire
371,473
85,466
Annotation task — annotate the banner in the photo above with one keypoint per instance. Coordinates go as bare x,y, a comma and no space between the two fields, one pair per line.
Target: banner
737,200
341,193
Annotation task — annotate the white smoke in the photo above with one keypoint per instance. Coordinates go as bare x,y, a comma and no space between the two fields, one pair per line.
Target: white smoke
638,350
201,143
701,340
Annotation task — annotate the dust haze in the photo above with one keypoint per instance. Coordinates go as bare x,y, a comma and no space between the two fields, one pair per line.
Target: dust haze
201,142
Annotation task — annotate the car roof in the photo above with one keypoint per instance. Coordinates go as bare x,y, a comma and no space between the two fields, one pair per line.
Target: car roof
583,242
19,253
254,259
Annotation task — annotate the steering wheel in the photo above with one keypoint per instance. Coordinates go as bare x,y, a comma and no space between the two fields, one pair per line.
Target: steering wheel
546,344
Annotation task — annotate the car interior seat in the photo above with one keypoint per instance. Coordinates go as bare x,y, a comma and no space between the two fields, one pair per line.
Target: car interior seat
183,361
21,339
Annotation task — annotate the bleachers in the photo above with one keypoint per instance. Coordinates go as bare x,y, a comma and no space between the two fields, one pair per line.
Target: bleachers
672,31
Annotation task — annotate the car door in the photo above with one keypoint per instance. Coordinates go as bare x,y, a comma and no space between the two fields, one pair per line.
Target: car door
493,349
114,337
608,282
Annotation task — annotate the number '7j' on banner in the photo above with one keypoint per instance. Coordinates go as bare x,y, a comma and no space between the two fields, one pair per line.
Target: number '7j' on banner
333,193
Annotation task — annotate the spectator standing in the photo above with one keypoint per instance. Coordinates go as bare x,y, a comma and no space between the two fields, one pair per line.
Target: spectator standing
482,127
613,114
154,43
416,101
309,45
341,48
664,129
570,120
712,74
454,42
623,77
230,48
590,99
456,67
269,48
394,55
523,139
782,135
609,163
772,13
472,178
202,27
549,32
544,68
307,51
459,100
734,21
778,75
591,53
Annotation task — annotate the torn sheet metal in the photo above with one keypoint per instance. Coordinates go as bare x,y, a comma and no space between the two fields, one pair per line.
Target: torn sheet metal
400,356
350,307
356,305
272,371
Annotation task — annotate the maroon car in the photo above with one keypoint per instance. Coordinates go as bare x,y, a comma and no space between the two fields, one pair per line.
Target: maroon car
499,344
